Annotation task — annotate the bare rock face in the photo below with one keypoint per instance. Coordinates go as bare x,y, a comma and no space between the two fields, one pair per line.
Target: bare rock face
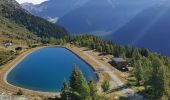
12,3
30,7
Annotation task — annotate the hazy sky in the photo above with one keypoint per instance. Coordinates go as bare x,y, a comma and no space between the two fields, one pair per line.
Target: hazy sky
31,1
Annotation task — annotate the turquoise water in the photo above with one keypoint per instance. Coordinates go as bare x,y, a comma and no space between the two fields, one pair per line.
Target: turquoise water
45,69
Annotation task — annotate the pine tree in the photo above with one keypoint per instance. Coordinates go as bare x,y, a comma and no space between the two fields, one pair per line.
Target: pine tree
145,71
76,96
93,90
166,82
65,91
129,50
137,71
156,81
79,84
136,55
105,85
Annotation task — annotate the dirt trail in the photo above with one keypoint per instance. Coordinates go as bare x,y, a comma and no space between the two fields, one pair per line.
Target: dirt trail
116,83
9,96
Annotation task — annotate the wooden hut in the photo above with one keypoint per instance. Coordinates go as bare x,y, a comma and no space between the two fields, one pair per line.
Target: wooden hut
120,63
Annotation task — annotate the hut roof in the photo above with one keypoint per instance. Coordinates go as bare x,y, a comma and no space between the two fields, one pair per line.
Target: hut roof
118,59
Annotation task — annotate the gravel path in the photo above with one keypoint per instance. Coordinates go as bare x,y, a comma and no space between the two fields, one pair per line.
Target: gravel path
116,83
8,96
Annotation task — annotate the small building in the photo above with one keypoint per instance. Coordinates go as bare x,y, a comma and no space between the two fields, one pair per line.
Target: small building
8,44
120,63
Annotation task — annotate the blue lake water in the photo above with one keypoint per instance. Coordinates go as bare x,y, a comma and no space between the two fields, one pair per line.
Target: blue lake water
46,69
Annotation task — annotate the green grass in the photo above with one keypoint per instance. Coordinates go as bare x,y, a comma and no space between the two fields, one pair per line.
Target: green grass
19,35
5,56
13,32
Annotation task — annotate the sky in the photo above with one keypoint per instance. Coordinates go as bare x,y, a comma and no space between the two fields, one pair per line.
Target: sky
31,1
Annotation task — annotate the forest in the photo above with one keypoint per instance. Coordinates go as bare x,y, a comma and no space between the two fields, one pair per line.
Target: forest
151,70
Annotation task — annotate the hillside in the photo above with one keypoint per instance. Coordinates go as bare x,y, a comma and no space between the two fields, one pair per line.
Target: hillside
19,36
11,10
22,29
149,29
11,31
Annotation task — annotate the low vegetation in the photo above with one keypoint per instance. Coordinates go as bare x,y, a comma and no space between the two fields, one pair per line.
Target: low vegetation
5,56
105,85
20,92
9,30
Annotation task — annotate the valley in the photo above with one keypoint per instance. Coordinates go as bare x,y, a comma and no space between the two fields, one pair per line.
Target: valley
85,50
121,21
93,58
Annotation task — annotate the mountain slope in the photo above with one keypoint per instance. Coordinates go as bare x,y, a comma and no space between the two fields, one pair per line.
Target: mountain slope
11,10
22,29
17,34
11,31
135,22
53,8
149,29
90,16
103,16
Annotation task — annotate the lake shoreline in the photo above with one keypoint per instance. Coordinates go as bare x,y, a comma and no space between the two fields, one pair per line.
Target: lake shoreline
94,70
7,68
7,87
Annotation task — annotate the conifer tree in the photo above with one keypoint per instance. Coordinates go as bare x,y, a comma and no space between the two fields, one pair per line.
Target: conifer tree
79,84
145,71
166,82
93,90
65,91
105,85
156,77
136,55
137,71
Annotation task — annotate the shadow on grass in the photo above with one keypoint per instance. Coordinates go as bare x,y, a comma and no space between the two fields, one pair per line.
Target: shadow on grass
119,88
56,98
86,49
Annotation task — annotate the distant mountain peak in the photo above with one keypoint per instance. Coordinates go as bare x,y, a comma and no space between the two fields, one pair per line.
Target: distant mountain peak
30,7
27,4
90,15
